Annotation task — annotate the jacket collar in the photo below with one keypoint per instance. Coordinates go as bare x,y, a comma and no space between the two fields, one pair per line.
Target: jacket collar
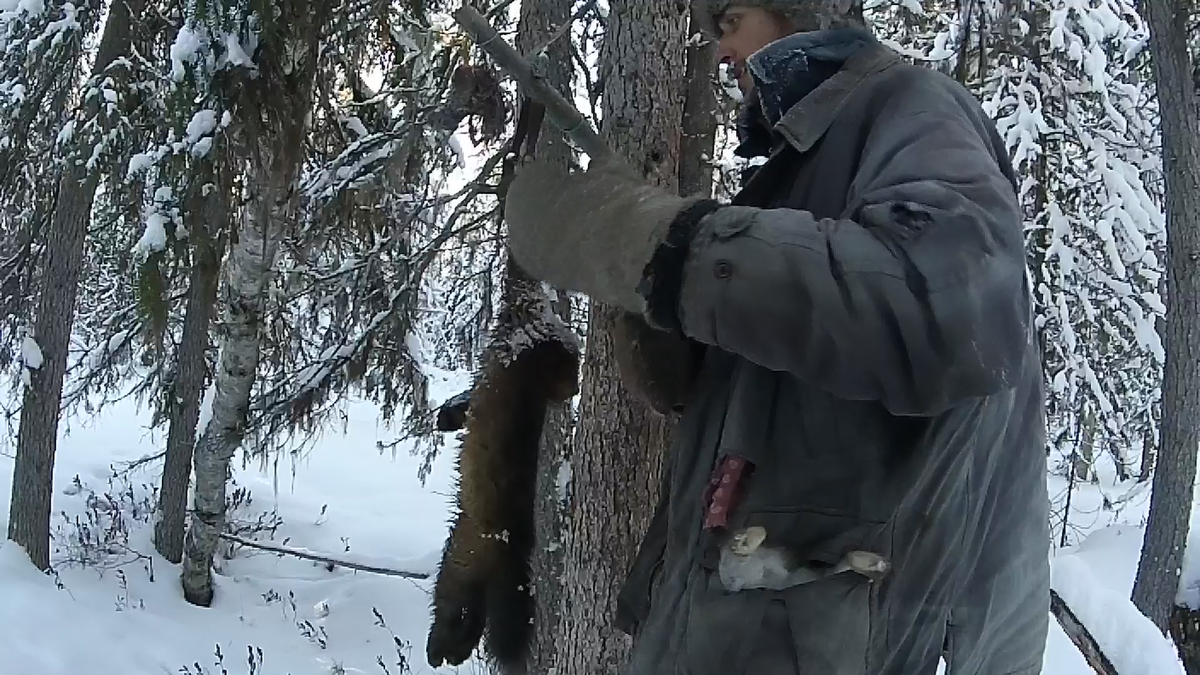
801,82
808,120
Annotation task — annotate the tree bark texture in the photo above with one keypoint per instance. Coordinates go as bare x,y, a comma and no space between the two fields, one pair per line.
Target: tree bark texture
37,439
616,460
1157,581
274,107
699,110
539,20
549,519
205,215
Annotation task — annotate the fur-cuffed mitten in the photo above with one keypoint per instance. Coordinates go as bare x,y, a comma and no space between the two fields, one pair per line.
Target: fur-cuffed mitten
593,232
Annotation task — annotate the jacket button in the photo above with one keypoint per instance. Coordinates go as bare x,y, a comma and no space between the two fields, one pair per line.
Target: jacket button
723,269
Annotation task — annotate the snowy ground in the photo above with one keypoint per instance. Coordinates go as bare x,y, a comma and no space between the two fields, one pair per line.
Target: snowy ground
304,619
277,615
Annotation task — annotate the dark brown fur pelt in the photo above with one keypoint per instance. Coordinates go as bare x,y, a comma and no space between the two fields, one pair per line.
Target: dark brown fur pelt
452,414
483,586
657,366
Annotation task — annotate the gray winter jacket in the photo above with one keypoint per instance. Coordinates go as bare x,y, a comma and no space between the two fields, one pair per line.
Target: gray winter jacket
870,389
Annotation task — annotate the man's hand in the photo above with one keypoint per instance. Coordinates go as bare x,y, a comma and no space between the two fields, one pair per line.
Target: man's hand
593,232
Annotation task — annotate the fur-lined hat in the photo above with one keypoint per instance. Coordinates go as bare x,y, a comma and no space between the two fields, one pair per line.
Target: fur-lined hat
804,14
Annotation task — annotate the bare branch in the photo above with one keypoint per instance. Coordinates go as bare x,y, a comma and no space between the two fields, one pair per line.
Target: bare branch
319,557
558,109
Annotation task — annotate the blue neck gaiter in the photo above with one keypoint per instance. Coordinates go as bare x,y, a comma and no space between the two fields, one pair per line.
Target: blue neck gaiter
786,71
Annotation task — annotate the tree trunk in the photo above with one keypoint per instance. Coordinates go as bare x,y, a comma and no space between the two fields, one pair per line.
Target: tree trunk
272,128
549,518
1149,444
1085,450
699,110
1149,452
262,224
206,216
539,21
616,460
37,440
1158,577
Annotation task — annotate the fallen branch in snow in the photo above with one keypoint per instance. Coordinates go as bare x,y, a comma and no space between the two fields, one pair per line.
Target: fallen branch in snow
130,465
1080,635
328,560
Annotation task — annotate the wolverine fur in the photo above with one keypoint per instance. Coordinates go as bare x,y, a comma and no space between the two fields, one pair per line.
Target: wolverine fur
482,589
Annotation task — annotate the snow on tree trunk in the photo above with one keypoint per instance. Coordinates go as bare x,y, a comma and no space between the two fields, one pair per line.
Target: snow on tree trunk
250,259
1158,576
204,214
616,460
33,472
274,108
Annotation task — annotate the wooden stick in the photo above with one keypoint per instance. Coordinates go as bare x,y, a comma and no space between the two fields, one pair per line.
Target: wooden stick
558,109
1080,635
284,550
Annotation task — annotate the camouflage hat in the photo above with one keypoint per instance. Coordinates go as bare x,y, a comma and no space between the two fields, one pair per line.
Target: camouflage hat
804,14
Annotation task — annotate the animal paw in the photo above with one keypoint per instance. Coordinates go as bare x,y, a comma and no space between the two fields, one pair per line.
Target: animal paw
456,629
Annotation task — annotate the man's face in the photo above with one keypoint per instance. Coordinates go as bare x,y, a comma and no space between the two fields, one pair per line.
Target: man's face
745,30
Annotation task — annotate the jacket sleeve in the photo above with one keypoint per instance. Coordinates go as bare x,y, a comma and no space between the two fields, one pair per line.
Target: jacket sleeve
917,299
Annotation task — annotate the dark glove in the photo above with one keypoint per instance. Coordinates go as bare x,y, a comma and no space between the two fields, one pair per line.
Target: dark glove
597,232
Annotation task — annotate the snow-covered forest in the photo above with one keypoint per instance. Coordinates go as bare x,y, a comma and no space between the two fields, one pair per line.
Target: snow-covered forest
252,263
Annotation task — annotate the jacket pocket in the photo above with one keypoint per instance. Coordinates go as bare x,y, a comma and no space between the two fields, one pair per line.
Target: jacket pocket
818,628
830,625
723,628
829,607
815,536
797,608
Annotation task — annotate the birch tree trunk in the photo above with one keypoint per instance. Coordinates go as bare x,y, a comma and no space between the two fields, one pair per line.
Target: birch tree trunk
274,107
206,216
1158,575
616,460
37,439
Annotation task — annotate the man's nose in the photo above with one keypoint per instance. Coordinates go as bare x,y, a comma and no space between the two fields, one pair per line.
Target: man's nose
725,53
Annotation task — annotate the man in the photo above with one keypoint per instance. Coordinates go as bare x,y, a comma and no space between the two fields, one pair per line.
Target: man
857,485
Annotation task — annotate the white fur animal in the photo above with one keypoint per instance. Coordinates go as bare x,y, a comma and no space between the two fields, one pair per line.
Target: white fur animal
746,563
